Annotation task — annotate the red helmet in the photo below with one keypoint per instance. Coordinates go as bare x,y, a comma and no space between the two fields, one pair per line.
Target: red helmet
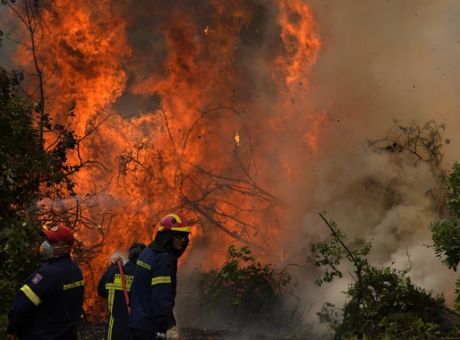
56,233
176,222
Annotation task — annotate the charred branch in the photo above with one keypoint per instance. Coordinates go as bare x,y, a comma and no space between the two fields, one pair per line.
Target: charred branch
424,142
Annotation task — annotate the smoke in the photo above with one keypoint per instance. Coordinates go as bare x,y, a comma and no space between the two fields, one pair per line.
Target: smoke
380,61
387,59
302,128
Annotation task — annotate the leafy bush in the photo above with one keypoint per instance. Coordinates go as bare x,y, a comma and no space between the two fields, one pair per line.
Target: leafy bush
446,232
244,296
382,303
242,284
27,173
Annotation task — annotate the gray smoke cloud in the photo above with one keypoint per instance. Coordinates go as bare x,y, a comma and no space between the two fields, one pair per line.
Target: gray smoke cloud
383,60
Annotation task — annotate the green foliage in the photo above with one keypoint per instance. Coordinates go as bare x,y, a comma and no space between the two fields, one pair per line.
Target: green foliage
19,242
20,151
328,255
20,172
453,189
446,232
386,302
446,241
382,303
28,173
244,294
408,326
242,284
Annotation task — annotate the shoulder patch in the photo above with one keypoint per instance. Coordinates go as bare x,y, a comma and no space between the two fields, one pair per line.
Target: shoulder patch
37,278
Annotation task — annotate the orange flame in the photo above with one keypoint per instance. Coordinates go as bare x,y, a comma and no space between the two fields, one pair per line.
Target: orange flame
201,79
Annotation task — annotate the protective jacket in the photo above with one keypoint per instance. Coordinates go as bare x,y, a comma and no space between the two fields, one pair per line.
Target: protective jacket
110,287
49,304
154,291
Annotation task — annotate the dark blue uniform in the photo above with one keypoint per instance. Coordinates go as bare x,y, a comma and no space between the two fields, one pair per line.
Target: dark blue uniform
153,292
110,287
50,302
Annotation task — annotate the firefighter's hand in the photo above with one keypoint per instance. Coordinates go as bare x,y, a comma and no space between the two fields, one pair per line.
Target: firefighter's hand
172,333
116,257
160,336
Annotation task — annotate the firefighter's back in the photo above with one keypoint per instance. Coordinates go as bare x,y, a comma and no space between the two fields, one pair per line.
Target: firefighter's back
142,313
57,290
111,287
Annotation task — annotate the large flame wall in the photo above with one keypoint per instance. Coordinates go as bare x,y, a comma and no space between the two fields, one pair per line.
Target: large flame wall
199,106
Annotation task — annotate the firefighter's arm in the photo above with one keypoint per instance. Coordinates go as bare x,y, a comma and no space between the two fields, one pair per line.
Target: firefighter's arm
163,293
101,289
20,311
37,288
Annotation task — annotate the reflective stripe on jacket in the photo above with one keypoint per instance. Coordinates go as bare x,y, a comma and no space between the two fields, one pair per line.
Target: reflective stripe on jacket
110,287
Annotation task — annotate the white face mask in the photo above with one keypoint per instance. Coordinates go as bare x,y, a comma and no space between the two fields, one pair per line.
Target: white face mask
46,250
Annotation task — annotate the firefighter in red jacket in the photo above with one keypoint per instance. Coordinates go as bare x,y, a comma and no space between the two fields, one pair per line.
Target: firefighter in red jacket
153,291
49,303
114,286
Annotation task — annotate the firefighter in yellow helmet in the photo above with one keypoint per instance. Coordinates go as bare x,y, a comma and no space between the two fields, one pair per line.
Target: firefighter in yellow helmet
153,291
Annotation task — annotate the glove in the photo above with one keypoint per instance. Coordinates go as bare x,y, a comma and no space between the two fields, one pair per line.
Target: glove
172,333
115,257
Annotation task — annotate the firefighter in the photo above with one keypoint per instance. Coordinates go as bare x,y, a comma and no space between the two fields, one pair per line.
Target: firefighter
49,303
114,286
153,291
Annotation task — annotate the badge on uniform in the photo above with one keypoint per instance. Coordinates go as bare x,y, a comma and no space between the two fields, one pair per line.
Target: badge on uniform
37,278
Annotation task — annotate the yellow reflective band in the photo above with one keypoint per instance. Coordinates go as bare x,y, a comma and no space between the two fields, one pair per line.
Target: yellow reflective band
161,279
113,286
117,285
184,229
73,285
110,299
109,333
178,219
110,302
31,295
143,265
128,279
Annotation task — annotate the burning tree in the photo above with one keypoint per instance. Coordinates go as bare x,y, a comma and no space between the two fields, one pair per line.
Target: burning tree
179,112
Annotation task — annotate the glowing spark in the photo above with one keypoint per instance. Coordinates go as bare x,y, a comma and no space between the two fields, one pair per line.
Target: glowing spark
206,30
237,139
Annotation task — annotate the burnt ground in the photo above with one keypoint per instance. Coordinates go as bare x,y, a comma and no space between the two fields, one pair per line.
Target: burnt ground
97,332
